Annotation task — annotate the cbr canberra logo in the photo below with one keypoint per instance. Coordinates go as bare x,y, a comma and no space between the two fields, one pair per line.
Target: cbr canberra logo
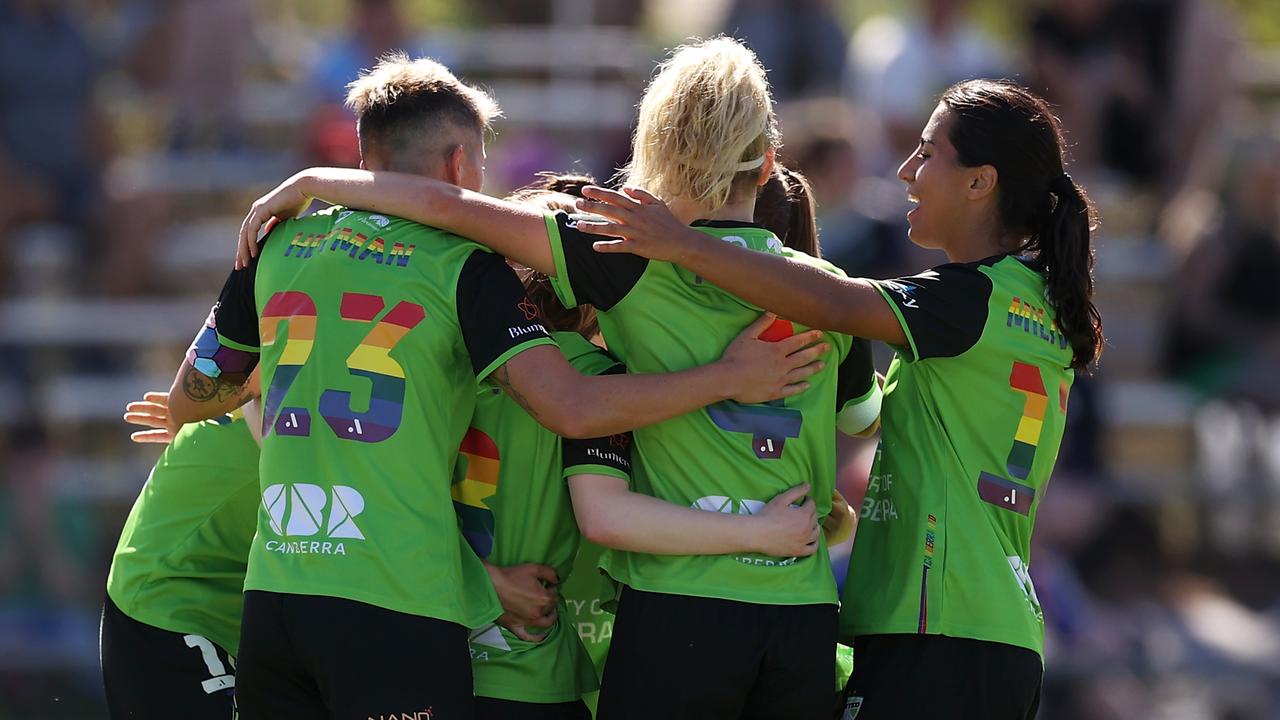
306,510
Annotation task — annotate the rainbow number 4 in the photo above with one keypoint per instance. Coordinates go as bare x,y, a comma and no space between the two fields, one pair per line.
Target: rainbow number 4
768,424
1006,491
371,360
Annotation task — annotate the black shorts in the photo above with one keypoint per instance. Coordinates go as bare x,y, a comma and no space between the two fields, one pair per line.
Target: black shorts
310,656
926,677
496,709
154,673
675,656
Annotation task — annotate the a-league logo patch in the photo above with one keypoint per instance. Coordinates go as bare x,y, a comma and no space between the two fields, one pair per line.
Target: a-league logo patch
851,707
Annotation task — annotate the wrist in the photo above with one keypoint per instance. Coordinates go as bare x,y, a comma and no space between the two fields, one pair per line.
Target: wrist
751,535
689,252
722,379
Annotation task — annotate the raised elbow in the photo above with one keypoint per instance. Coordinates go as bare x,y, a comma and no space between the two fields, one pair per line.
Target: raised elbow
596,528
571,420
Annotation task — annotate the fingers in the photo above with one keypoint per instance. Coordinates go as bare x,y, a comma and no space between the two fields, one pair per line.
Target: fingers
756,328
811,508
607,197
790,496
256,224
799,341
142,407
157,396
641,195
804,371
520,632
601,227
548,620
611,246
160,436
809,354
791,390
145,420
547,574
248,229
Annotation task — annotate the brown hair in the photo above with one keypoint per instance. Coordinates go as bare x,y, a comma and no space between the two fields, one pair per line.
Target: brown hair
999,123
556,192
785,207
411,107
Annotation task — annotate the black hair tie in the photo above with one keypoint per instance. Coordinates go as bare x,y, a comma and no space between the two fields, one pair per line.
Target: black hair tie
1062,185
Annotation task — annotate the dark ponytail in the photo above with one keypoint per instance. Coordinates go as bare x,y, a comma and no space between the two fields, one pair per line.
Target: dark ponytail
1002,124
785,207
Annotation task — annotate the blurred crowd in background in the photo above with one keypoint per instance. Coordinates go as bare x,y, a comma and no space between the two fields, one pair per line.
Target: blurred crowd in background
135,133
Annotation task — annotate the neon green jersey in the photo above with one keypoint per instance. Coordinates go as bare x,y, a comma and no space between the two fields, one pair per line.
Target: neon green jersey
511,496
374,333
180,561
728,457
973,416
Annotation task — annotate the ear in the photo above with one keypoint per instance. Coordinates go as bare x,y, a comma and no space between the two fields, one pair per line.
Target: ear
982,181
766,170
453,165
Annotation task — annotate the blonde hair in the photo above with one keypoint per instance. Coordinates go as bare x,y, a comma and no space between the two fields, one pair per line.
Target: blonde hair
405,103
705,122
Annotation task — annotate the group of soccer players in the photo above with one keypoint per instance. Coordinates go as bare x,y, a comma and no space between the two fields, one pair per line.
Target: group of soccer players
407,536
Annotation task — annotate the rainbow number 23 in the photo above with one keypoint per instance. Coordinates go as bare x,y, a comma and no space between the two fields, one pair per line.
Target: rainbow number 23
1006,491
371,359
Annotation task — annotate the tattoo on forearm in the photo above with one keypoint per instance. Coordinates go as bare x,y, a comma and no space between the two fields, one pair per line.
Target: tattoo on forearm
198,386
503,379
201,388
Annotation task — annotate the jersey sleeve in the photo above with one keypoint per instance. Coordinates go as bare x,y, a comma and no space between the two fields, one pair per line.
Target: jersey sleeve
227,346
942,311
598,456
497,318
858,393
584,275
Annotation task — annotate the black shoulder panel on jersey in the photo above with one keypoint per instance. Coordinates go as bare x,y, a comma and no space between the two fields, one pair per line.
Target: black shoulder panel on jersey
494,312
944,309
602,279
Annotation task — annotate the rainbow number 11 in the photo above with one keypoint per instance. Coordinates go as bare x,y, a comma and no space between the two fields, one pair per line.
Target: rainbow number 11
370,359
1006,491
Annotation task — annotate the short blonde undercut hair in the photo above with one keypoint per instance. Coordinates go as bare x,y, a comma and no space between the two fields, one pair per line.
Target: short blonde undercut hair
705,122
408,105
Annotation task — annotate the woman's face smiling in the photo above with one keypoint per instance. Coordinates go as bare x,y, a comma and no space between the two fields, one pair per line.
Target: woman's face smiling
936,184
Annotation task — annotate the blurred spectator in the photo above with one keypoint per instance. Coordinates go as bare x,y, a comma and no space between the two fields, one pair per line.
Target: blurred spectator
897,67
206,93
52,141
799,42
861,220
373,28
1132,84
1225,335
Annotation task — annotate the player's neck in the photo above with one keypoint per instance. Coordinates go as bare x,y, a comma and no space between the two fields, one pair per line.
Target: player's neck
737,211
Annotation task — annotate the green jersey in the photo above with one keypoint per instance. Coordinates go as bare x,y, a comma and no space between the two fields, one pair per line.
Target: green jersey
587,593
973,415
511,496
728,457
180,561
374,333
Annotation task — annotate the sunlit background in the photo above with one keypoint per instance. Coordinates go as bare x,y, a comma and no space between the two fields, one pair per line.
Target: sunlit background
134,134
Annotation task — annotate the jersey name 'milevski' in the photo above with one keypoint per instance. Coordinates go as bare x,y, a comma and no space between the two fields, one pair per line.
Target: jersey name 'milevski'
357,245
1030,319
